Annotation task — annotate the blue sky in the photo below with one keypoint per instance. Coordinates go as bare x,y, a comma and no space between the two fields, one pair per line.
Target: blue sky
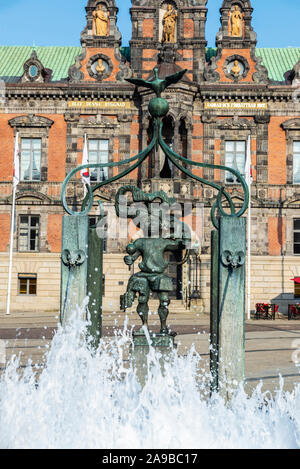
59,22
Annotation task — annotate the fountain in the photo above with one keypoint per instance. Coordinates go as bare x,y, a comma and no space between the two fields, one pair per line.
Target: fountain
94,400
88,395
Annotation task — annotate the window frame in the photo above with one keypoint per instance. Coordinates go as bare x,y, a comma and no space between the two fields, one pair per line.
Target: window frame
32,151
98,151
33,126
235,165
296,153
28,277
29,216
294,232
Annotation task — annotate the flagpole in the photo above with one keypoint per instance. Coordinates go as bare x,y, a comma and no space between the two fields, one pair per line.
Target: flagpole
16,179
249,257
249,232
12,229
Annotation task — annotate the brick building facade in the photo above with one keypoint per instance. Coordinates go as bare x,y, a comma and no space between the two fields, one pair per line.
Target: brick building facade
51,97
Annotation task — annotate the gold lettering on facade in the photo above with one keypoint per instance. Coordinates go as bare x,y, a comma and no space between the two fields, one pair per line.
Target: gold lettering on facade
215,105
100,104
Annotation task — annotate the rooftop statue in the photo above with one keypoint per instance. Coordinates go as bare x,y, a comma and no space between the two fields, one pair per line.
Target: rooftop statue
236,22
101,21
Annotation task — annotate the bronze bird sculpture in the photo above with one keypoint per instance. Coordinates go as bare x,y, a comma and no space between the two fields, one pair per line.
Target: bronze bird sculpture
157,84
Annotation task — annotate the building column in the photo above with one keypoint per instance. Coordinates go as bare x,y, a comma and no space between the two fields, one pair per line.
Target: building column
176,148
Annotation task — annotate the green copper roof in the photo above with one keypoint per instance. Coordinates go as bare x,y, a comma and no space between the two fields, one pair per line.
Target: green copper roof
59,59
279,61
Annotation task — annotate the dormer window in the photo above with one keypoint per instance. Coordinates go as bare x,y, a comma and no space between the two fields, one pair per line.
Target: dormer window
34,70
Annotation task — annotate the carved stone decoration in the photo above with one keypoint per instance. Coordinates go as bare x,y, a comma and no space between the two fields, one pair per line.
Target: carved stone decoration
261,74
168,53
169,25
97,121
291,124
236,67
72,116
296,77
207,118
262,118
124,67
100,67
31,120
292,77
101,21
34,71
236,123
210,72
75,73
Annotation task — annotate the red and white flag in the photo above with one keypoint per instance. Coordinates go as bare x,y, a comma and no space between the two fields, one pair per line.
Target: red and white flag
248,166
85,173
16,174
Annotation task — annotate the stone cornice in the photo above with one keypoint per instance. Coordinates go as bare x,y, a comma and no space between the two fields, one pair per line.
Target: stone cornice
65,91
204,91
208,92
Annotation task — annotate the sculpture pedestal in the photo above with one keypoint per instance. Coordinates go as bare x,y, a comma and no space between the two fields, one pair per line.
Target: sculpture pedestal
163,343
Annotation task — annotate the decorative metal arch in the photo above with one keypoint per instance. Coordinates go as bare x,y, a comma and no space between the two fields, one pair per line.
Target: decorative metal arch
159,108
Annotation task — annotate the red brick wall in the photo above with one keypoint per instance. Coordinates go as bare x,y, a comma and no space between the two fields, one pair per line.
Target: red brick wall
148,25
134,143
54,232
277,170
188,28
4,231
7,147
57,149
217,159
276,232
197,144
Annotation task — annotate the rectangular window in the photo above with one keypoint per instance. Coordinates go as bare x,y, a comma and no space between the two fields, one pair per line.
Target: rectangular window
29,233
235,158
27,284
296,163
297,236
296,290
31,154
98,153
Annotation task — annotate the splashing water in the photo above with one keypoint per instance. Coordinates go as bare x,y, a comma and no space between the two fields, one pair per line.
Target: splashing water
86,400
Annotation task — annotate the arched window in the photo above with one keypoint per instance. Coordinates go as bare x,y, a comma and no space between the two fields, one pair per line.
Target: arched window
166,167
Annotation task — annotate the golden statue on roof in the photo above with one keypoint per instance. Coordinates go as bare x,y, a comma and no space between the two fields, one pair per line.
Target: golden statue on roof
101,21
236,22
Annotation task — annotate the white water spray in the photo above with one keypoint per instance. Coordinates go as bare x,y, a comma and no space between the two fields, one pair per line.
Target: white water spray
85,400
